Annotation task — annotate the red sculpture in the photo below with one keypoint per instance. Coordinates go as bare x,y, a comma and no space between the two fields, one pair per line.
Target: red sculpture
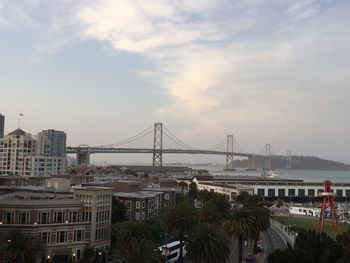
327,195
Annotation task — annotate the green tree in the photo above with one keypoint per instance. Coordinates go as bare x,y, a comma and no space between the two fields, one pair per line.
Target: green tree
204,195
210,213
208,244
240,224
193,191
17,247
183,186
140,250
88,254
180,219
310,247
344,241
118,211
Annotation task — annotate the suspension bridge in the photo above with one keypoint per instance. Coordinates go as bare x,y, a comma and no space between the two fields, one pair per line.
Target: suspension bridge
232,148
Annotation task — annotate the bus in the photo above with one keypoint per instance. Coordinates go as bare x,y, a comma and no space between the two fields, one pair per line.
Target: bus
172,251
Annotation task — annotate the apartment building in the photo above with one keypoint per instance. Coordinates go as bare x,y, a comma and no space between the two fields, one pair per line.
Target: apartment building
66,224
97,202
141,205
25,155
14,148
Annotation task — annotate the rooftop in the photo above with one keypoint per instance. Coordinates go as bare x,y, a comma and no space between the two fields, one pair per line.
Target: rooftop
139,194
18,131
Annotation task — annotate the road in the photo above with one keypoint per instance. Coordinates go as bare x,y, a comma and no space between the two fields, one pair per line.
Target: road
272,240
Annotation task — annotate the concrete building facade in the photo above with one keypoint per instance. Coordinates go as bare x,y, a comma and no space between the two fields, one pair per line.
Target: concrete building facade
64,224
2,125
22,154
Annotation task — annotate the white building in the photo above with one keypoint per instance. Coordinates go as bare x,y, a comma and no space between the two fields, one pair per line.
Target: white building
22,154
14,148
43,165
231,191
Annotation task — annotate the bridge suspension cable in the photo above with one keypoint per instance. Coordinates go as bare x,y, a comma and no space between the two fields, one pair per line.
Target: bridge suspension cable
175,139
220,145
238,146
131,139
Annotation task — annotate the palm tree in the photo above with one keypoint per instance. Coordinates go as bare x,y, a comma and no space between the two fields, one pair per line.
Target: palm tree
193,191
39,250
261,223
241,224
17,248
210,213
208,244
140,250
181,219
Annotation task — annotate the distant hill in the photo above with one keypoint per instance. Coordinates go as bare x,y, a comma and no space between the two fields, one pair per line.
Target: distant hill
298,163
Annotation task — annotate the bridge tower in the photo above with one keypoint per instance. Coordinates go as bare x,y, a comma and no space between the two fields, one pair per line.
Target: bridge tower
251,163
83,155
268,156
158,145
229,155
289,160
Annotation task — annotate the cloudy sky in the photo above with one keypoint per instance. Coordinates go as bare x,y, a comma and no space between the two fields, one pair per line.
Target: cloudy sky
267,71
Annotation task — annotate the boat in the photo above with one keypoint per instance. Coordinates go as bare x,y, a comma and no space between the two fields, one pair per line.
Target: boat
269,173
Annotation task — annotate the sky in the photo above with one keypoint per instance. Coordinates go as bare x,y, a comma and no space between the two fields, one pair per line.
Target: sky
266,71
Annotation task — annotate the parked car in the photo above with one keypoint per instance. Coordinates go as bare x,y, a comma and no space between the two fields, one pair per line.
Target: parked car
259,248
250,257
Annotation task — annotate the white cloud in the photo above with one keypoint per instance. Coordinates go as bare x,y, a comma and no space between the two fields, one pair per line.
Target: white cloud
219,60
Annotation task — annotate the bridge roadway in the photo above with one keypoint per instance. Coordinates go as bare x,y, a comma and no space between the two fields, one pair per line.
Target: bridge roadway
92,150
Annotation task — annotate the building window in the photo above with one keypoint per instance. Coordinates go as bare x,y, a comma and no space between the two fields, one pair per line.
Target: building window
25,218
347,193
149,204
339,192
43,218
281,192
78,235
9,217
128,205
271,192
291,192
261,192
311,192
143,216
74,216
61,236
166,196
58,217
137,216
143,204
301,192
44,237
138,204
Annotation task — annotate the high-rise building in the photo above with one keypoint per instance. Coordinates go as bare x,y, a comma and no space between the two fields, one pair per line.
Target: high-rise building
2,125
14,148
52,143
26,155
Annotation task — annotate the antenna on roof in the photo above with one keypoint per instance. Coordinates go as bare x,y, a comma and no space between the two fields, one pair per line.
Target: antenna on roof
20,120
